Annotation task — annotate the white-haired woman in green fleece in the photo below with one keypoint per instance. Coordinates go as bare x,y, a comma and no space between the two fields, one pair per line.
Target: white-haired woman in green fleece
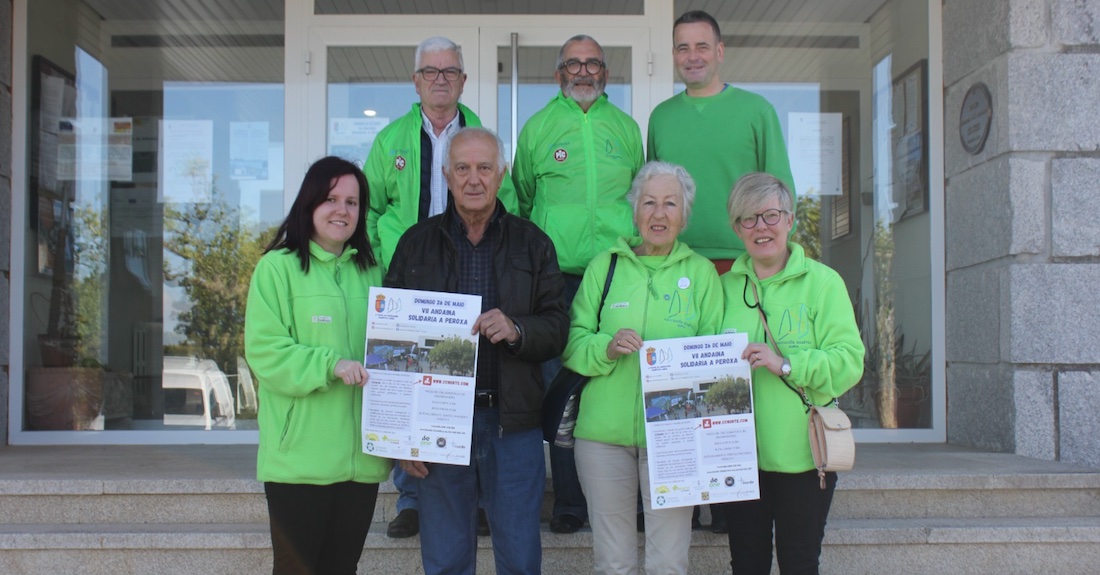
807,308
660,289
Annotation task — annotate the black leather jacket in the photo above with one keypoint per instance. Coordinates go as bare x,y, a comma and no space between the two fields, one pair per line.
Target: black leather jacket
530,293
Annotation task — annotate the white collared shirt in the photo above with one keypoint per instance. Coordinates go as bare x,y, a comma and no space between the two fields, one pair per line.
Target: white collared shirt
439,183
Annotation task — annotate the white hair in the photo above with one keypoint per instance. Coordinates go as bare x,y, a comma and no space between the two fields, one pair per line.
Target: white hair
656,169
437,44
471,132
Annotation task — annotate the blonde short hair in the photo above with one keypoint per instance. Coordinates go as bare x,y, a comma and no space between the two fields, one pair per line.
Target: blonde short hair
755,189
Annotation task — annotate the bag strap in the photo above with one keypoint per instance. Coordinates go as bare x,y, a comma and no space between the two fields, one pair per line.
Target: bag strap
599,310
606,286
801,392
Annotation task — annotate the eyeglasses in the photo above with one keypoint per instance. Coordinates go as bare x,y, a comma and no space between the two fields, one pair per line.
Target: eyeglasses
430,73
593,67
770,217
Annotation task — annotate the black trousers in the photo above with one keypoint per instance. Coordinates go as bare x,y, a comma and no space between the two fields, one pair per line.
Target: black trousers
319,529
796,506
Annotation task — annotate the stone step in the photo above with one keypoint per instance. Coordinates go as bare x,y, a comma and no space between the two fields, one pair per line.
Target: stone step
960,496
188,509
881,496
897,546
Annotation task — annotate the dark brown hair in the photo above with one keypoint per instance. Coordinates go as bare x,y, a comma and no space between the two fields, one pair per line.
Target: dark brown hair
297,229
693,16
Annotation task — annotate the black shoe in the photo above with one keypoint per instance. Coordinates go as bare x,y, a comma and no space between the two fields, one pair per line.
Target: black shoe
566,523
695,524
406,524
482,524
641,522
718,523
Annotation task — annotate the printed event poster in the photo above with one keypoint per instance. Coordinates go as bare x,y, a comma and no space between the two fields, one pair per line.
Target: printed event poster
699,425
419,402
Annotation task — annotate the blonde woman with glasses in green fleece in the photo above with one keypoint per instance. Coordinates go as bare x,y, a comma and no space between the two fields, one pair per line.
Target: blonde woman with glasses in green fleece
808,311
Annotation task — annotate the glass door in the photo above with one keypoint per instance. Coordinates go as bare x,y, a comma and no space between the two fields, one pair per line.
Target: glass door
525,60
355,88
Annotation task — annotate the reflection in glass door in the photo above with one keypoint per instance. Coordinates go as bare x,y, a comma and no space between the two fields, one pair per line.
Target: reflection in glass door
368,87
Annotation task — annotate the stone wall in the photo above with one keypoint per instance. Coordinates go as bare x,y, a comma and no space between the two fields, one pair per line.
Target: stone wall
1023,245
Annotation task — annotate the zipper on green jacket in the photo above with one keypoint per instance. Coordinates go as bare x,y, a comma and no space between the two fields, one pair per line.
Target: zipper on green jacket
645,329
347,327
590,189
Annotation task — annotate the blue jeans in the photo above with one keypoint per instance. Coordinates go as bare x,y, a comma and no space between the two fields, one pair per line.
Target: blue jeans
509,474
568,495
407,486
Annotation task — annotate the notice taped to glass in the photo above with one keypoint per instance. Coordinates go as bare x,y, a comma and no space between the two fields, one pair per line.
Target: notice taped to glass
700,431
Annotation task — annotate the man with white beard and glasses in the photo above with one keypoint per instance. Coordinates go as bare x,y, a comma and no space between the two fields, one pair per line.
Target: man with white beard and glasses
574,163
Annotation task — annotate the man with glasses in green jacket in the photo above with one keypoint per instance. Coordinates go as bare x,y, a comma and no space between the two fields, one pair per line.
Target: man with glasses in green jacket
574,163
405,165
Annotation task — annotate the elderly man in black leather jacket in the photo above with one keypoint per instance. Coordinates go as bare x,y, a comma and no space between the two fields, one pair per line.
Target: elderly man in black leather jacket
476,247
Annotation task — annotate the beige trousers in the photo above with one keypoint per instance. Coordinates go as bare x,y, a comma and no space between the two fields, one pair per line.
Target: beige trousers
610,477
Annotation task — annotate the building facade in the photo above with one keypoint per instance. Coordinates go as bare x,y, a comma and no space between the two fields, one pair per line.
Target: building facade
942,154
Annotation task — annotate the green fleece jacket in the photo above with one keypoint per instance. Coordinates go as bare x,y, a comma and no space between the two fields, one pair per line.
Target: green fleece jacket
678,295
296,327
572,173
810,315
393,175
718,139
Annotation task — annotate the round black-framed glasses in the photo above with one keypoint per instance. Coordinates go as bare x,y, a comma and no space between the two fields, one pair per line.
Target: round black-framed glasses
592,67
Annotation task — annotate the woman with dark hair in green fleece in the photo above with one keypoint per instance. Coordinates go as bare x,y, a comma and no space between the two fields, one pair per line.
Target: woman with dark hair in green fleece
305,332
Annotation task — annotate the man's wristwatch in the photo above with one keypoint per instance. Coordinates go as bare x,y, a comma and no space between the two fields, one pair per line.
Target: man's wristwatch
785,369
519,336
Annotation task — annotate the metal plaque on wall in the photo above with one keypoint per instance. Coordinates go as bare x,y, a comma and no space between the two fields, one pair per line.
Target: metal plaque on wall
975,118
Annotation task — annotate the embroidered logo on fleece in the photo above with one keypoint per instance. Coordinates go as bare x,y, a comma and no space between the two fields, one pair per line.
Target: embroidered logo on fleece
680,310
794,325
611,149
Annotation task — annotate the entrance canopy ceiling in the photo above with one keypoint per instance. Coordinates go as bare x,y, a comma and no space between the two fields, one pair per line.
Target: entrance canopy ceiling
764,11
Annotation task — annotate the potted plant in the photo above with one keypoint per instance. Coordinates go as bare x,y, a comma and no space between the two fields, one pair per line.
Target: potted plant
72,388
896,381
913,379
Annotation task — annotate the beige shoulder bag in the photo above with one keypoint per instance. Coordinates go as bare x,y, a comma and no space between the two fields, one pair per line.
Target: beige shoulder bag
830,431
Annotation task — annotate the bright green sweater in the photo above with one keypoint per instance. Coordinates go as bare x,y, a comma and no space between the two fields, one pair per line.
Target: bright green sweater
675,296
718,139
296,327
811,317
393,175
572,173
